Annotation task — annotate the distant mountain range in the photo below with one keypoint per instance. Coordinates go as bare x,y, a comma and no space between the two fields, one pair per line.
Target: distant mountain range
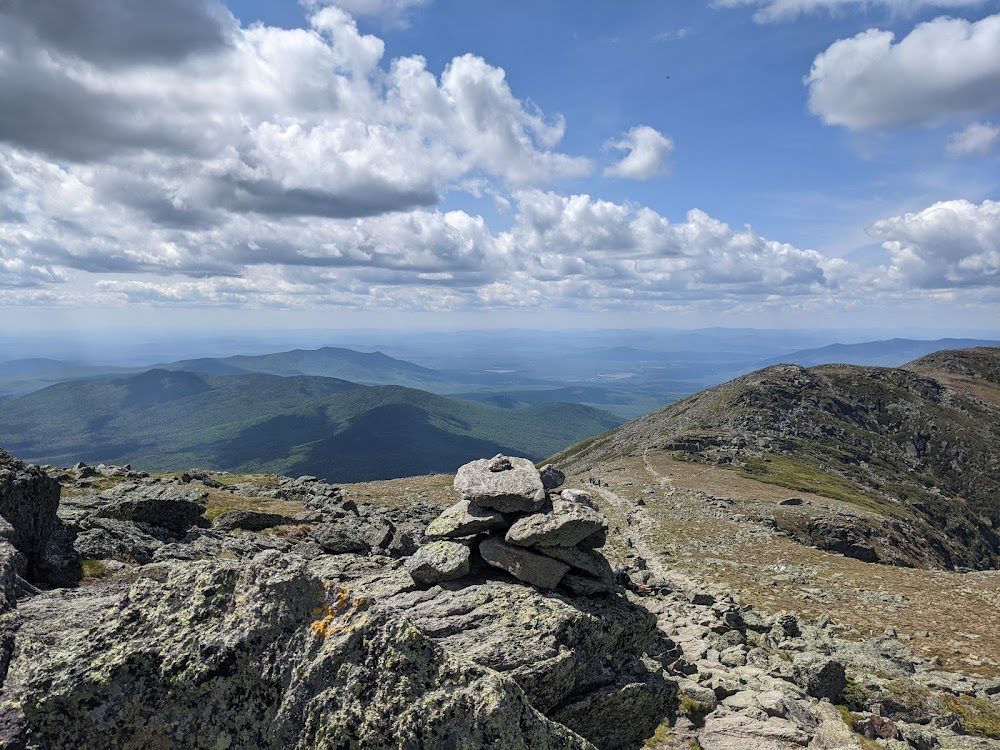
164,420
890,353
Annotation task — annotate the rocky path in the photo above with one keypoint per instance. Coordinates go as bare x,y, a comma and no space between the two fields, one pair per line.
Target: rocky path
751,677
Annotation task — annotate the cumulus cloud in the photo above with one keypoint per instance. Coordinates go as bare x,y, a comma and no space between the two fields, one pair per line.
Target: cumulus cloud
648,154
582,245
943,68
978,138
391,13
950,244
770,11
261,120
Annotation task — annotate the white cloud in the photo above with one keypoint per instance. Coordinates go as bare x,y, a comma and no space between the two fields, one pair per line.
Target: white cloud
648,154
771,11
978,138
951,244
943,68
391,13
267,120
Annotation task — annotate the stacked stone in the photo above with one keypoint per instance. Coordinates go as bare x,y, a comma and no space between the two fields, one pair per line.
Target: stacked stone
519,522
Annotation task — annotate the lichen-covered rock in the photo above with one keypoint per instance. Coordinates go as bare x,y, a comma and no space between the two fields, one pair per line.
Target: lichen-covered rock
567,525
355,534
29,499
515,490
820,676
523,564
173,508
642,702
439,561
109,538
464,519
250,520
260,655
560,650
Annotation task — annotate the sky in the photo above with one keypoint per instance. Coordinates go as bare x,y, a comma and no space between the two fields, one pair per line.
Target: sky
434,163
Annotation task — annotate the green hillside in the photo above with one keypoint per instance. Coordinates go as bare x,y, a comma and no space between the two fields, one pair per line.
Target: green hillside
167,420
328,362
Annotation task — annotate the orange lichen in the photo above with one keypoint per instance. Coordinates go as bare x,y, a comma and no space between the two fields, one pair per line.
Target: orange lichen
336,615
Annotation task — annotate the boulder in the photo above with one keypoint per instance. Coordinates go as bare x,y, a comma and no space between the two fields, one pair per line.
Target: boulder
250,520
515,490
592,563
595,541
551,477
820,676
109,538
464,519
439,561
174,508
568,524
29,499
579,496
523,564
340,538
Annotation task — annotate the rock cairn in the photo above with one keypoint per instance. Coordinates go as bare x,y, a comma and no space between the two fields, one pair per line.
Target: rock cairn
512,517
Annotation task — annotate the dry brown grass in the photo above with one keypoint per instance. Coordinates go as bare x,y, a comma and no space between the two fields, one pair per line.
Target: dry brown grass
960,613
433,489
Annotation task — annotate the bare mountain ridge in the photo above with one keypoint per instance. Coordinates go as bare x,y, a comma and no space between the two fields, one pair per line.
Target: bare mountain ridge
922,453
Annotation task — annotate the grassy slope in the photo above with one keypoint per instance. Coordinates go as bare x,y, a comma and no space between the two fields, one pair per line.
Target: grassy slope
162,420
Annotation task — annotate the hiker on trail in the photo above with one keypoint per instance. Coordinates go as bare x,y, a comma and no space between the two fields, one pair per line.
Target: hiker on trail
623,579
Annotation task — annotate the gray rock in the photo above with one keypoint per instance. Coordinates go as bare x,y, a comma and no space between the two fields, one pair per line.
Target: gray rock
579,585
568,524
439,561
173,508
464,519
595,541
109,538
581,497
29,499
340,538
250,520
594,564
516,490
820,676
257,654
551,477
523,564
642,702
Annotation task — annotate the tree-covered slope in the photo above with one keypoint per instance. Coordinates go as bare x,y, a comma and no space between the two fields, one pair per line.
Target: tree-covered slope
170,420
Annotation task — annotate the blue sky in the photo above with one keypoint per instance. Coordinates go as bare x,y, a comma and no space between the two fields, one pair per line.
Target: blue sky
429,162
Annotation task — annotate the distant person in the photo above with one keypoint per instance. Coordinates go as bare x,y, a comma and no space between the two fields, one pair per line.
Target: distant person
623,579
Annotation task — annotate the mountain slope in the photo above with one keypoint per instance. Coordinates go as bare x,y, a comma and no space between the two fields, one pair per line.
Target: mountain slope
328,361
171,420
890,353
924,455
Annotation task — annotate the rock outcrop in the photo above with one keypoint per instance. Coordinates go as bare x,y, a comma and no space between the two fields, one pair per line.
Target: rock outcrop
29,499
